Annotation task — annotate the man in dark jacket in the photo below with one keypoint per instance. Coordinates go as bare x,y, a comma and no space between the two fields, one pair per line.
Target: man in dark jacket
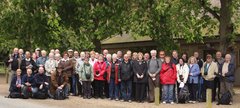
125,76
28,62
41,82
14,62
28,84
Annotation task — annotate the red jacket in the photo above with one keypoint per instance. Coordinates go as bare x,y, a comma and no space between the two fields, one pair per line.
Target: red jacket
100,68
116,72
168,75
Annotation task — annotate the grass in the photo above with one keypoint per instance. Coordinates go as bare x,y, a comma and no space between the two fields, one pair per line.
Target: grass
2,71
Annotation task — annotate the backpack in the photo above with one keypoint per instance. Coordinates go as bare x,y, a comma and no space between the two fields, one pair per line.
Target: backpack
15,95
225,99
59,95
183,95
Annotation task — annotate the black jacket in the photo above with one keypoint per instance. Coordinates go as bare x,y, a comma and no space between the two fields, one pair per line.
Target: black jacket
125,71
229,76
40,79
140,68
24,64
13,87
15,62
30,80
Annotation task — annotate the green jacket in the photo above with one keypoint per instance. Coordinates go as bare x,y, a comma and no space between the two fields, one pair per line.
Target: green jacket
83,70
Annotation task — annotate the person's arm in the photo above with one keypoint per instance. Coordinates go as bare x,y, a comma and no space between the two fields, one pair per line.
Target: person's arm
159,66
174,72
104,69
230,71
92,75
47,67
178,78
119,71
69,67
196,70
65,80
53,80
186,73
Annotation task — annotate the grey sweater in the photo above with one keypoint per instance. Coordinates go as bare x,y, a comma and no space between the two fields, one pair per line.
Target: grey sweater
154,66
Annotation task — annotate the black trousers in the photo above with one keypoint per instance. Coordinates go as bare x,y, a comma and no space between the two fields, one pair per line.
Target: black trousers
193,91
98,88
86,89
106,89
214,91
207,85
140,91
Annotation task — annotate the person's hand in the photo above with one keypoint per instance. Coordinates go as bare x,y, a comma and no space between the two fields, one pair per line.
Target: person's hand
154,75
190,74
119,80
138,76
153,79
98,75
10,60
142,76
46,83
41,86
18,85
60,87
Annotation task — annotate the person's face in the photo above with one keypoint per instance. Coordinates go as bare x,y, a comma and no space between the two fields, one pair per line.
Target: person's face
184,56
209,59
119,54
162,54
28,55
41,70
126,58
56,51
65,56
109,59
44,54
34,56
20,51
192,61
29,71
70,53
51,56
114,59
135,56
175,54
146,57
153,54
227,58
15,50
76,54
105,52
59,70
167,60
129,54
218,55
181,61
92,56
196,54
96,55
100,59
140,57
52,51
18,72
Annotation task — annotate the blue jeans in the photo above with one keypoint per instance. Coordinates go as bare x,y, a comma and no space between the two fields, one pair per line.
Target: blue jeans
113,89
74,85
126,89
168,92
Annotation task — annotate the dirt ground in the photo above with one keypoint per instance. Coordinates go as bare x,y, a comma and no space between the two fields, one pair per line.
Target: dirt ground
78,102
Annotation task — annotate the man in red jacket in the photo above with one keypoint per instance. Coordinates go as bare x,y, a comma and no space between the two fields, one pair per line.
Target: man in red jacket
168,77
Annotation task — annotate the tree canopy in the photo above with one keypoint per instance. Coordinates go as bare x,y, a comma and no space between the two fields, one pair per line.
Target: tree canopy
82,24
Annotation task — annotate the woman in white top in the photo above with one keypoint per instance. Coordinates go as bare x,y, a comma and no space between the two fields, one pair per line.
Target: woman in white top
182,71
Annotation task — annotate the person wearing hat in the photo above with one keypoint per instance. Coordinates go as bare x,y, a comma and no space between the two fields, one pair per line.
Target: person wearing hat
207,71
59,80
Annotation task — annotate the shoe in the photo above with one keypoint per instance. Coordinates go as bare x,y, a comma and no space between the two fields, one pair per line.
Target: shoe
230,103
193,102
164,102
129,101
172,103
117,99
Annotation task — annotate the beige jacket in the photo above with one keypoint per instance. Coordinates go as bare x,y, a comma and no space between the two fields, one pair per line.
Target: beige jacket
212,69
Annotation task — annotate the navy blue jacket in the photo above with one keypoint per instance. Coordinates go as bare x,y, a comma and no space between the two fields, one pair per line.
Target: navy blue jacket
230,74
40,79
30,80
13,87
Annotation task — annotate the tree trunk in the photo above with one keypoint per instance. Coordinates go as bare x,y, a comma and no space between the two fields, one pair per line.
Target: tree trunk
97,44
226,26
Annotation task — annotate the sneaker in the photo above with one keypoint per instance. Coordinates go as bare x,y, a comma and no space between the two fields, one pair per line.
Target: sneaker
172,103
116,99
164,102
193,102
230,103
129,101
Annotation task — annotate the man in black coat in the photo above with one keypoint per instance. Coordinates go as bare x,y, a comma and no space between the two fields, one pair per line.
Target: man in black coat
28,62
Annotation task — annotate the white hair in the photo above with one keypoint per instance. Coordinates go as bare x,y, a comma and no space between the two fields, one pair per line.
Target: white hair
153,51
114,55
108,56
57,55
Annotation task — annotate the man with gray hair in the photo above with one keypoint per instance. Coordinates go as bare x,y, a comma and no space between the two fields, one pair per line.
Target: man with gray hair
42,60
154,67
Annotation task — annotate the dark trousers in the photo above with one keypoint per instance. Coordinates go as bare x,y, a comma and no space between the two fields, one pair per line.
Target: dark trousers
86,89
126,89
140,91
113,89
133,96
152,85
207,85
214,91
98,88
193,91
73,84
106,89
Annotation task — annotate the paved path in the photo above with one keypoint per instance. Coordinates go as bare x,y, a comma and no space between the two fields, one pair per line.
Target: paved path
77,102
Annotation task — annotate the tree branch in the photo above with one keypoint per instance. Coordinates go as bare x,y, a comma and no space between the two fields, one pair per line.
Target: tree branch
208,9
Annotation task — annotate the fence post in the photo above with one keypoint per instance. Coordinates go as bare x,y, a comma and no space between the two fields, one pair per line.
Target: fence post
157,95
209,98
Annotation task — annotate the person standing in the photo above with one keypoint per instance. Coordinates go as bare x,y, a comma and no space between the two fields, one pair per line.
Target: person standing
50,66
182,72
14,63
219,60
208,73
99,70
162,55
154,67
125,77
227,72
42,60
28,63
194,72
174,57
168,77
113,71
140,77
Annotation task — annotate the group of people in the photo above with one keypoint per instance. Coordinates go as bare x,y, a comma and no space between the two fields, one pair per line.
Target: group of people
126,77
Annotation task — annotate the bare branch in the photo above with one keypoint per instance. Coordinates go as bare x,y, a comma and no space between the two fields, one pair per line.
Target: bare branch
208,9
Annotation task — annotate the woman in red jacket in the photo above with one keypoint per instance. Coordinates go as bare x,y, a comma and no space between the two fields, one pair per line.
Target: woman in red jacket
168,77
99,68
